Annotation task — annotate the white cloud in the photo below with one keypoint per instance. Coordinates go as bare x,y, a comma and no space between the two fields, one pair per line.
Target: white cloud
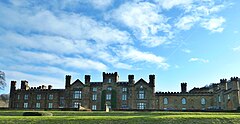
168,4
28,57
101,4
38,69
186,50
214,24
130,53
236,48
198,60
186,22
81,35
34,80
203,13
71,26
145,20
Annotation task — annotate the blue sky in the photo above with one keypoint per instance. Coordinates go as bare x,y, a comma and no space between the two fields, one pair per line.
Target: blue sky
193,41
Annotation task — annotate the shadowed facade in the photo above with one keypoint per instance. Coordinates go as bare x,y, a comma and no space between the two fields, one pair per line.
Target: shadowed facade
124,95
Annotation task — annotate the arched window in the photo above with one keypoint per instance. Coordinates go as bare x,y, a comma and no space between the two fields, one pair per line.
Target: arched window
141,93
203,101
184,101
165,101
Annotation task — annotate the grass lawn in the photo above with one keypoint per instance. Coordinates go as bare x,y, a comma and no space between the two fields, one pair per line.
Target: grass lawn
162,117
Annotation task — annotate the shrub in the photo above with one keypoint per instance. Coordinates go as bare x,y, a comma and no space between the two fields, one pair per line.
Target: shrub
37,114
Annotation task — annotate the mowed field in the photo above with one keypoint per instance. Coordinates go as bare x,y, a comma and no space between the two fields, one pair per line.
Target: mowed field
119,117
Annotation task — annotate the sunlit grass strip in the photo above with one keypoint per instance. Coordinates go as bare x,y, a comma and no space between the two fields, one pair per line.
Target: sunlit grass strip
175,119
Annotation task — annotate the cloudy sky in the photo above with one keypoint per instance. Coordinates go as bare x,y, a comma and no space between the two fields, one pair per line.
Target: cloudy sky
193,41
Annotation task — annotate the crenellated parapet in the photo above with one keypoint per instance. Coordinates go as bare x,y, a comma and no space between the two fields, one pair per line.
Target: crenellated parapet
235,83
234,78
223,80
180,93
110,77
223,84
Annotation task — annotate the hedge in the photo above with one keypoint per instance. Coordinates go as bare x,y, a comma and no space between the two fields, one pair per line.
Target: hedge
37,114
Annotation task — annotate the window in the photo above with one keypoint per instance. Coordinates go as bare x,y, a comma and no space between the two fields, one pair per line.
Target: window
38,96
219,98
184,101
76,105
50,105
25,105
26,97
94,97
228,96
109,88
141,94
77,94
141,105
165,101
94,89
108,97
50,96
203,101
38,105
18,97
124,89
94,107
124,97
61,103
109,80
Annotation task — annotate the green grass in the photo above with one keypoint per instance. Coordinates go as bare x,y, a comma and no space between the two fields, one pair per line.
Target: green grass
64,117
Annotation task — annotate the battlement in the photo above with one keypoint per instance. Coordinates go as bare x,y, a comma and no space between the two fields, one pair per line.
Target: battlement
115,73
110,77
234,78
223,80
181,93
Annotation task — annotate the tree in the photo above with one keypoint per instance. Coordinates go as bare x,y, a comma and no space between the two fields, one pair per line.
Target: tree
2,80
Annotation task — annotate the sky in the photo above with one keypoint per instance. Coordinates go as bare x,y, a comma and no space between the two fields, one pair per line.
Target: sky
193,41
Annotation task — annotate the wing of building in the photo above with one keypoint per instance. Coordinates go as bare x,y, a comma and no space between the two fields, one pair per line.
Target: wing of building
129,94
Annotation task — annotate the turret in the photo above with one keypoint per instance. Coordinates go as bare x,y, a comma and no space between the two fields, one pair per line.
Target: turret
223,84
131,79
68,81
24,85
110,77
87,79
235,83
13,86
152,80
11,97
183,87
49,87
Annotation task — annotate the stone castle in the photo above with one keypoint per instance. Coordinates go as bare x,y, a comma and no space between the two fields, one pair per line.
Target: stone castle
124,95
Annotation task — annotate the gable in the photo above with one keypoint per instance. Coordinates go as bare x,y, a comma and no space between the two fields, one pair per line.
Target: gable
141,82
77,84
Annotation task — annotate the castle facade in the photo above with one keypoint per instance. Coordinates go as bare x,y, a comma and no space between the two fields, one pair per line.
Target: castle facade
130,94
